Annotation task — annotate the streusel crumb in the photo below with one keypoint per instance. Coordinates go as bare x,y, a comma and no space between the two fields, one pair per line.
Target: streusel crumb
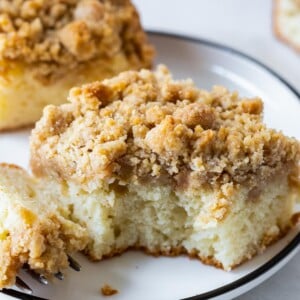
107,290
145,125
56,36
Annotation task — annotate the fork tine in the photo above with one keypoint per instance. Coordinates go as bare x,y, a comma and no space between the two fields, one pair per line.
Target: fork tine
59,275
26,293
23,286
74,264
20,295
36,276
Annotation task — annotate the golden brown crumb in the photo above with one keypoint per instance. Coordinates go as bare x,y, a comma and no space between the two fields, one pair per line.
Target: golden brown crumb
147,125
107,290
56,36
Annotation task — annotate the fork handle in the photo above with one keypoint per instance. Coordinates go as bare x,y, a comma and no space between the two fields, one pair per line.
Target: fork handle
20,295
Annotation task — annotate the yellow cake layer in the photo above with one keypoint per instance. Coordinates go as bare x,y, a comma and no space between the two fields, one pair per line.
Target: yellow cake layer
23,97
219,230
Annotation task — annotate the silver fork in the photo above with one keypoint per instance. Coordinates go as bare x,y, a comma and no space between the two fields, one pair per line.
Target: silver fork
26,293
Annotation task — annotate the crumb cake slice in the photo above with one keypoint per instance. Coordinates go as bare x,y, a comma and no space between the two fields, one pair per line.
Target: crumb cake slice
287,22
152,163
47,47
34,228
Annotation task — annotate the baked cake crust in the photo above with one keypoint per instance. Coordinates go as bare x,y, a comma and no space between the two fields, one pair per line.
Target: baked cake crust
144,125
54,37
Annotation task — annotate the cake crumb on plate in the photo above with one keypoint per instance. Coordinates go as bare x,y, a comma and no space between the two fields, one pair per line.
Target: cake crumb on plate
107,290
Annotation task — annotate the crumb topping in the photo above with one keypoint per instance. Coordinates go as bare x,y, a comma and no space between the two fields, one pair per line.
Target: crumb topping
145,125
107,290
56,36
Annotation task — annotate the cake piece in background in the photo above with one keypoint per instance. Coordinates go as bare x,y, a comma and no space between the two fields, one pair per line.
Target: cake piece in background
150,162
47,47
287,22
34,228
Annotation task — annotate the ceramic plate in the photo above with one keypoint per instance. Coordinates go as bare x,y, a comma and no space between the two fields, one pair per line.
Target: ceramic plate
138,276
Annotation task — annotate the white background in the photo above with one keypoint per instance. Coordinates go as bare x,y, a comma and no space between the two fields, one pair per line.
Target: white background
247,26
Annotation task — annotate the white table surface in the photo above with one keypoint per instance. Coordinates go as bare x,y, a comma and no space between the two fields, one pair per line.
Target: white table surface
247,26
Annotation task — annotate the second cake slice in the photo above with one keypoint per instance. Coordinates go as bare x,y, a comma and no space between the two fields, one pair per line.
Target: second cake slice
47,47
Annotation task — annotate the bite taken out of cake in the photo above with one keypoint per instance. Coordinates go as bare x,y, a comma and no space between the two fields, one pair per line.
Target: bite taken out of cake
47,47
35,229
148,162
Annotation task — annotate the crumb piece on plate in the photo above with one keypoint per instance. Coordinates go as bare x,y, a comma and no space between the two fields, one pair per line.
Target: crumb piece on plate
107,290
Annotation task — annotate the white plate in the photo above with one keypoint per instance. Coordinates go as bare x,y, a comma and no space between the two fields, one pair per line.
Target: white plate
138,276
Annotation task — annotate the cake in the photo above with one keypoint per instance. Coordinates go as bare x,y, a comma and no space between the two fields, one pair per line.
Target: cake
47,47
287,22
147,162
35,229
